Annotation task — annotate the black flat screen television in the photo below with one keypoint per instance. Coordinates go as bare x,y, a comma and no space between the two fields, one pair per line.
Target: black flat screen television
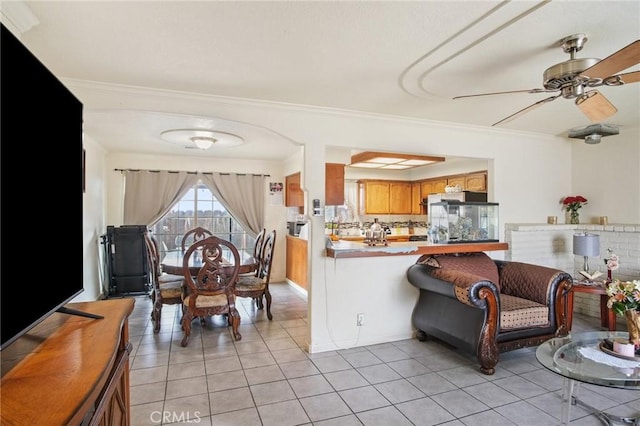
41,190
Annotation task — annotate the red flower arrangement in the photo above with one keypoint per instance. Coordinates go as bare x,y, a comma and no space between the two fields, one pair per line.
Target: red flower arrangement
573,203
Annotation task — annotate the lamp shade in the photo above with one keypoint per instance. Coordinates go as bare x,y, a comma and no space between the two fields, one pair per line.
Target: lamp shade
586,244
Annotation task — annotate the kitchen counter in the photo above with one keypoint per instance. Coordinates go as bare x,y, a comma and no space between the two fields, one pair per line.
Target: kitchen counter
390,238
344,249
358,281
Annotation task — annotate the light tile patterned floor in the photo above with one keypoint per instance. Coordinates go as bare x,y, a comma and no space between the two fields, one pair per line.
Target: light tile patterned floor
268,378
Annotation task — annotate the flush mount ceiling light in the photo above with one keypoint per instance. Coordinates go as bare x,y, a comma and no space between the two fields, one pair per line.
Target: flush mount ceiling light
391,161
201,138
594,133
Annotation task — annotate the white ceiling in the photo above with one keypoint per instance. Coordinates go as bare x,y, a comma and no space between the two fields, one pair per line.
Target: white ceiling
387,57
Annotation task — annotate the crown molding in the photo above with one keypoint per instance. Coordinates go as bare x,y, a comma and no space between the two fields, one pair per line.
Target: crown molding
17,17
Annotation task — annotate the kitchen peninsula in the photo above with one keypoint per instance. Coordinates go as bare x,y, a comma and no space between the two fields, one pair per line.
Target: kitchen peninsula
342,249
367,285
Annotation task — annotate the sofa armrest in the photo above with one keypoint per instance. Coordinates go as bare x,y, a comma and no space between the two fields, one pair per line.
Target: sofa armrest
531,282
467,288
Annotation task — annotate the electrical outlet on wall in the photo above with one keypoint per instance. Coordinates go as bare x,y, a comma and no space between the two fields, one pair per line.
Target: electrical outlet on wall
360,320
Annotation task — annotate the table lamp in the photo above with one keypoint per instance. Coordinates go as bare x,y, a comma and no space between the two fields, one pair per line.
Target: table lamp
586,245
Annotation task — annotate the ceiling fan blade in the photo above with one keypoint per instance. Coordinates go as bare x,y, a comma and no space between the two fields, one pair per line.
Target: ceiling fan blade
630,77
527,109
624,58
507,92
595,106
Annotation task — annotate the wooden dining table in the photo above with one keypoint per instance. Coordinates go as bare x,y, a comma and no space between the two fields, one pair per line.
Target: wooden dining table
171,263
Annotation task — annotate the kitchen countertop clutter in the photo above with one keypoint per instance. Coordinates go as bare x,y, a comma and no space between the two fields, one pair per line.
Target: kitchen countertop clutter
357,229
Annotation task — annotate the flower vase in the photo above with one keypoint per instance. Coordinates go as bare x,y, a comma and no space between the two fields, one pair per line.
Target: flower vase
633,326
609,280
574,218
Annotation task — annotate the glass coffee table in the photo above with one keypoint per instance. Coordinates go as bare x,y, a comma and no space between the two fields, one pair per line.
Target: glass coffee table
579,359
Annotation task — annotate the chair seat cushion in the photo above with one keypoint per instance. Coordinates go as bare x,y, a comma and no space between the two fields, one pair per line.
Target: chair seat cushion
165,278
171,290
521,313
250,284
208,301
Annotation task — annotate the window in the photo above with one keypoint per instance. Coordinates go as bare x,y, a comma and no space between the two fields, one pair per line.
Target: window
199,207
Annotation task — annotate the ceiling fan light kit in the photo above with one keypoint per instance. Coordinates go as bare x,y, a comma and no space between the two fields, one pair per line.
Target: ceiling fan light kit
594,133
573,77
595,106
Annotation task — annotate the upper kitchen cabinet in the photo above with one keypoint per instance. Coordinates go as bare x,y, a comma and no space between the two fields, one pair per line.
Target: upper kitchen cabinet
293,196
400,198
374,196
385,197
433,186
334,187
476,182
456,180
416,198
334,184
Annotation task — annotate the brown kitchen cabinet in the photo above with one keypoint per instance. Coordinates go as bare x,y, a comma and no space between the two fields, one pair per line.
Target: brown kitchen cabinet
416,198
376,197
438,185
400,198
293,196
334,187
385,197
476,182
432,186
296,263
403,197
334,184
457,180
426,188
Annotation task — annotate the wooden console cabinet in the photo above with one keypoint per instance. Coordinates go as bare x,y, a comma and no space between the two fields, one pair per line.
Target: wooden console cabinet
70,370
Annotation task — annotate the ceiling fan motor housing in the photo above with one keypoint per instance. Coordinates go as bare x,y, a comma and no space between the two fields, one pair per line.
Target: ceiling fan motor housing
565,76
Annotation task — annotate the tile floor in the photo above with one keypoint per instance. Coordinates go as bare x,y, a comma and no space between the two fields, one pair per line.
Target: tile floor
268,378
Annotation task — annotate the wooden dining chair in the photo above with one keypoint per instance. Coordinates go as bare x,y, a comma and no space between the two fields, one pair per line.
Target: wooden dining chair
256,286
193,235
166,289
212,290
252,268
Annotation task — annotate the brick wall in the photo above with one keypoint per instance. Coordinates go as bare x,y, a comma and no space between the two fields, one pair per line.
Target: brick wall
552,245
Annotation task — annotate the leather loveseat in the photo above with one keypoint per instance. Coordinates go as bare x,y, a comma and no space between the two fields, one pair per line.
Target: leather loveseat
485,306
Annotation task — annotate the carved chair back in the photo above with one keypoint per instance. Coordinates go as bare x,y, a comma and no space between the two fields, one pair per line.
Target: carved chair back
212,290
193,235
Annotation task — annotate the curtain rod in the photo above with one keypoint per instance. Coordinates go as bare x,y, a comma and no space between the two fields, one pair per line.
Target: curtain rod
188,172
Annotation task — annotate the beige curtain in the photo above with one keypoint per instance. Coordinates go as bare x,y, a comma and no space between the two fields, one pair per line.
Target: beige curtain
242,195
148,195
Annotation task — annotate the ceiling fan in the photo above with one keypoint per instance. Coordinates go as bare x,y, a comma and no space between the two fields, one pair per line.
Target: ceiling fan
573,79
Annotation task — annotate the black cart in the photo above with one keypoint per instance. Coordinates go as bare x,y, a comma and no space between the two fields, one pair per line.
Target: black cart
125,257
